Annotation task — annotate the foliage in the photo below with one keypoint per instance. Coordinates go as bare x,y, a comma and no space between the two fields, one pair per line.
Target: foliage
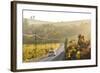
36,51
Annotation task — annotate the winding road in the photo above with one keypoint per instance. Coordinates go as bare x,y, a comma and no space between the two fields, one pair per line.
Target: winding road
60,55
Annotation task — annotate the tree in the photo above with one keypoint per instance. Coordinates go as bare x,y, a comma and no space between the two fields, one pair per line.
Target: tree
25,25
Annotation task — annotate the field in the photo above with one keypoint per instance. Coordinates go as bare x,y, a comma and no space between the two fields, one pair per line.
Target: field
36,51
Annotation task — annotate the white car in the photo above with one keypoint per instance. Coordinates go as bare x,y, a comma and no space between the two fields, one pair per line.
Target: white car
51,53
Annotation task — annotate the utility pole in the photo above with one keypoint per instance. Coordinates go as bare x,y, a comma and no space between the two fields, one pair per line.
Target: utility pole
66,43
35,41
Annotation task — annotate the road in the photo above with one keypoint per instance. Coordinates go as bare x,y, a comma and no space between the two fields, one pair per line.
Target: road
60,55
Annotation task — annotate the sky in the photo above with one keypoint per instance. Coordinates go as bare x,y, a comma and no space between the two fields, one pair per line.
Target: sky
55,16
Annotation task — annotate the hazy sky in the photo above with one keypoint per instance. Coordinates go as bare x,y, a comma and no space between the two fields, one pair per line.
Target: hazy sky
56,16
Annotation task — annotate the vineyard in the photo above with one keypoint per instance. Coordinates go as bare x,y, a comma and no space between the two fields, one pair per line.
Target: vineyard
36,51
39,37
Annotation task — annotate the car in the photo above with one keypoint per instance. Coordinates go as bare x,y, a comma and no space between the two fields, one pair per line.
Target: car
51,53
